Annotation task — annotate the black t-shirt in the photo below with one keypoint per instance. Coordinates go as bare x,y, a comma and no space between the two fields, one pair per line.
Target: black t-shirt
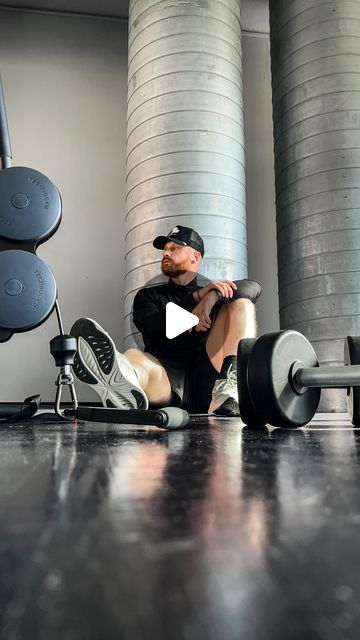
149,314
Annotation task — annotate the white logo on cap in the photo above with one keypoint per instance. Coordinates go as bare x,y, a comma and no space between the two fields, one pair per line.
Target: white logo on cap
175,230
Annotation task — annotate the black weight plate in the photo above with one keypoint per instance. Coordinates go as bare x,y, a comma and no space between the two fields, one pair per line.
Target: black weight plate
269,379
248,413
352,356
5,334
30,205
27,290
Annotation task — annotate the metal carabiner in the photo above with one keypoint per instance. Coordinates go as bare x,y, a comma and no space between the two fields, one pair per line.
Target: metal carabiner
65,378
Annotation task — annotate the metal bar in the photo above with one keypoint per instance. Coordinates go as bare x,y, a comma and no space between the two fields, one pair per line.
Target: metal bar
330,377
119,416
5,148
59,318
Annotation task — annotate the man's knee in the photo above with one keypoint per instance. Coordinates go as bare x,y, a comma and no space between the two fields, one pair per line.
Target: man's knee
249,289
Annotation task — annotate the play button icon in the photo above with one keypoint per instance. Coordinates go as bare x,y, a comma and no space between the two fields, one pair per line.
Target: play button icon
178,320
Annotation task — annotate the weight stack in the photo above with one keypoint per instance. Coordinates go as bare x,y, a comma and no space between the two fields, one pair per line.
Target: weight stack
185,138
315,59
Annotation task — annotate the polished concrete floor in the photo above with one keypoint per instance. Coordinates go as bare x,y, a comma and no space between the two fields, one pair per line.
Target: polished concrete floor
216,532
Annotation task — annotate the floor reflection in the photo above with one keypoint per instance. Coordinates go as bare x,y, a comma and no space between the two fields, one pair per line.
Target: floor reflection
215,531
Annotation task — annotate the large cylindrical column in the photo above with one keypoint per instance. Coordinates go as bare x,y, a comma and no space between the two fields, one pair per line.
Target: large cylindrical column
185,143
315,57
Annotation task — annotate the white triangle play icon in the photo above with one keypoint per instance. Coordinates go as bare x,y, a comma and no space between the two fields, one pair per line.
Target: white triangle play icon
178,320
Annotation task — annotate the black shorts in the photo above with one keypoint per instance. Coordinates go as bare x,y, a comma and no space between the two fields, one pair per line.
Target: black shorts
192,384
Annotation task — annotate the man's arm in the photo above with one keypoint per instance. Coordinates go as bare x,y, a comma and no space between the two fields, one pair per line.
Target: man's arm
225,288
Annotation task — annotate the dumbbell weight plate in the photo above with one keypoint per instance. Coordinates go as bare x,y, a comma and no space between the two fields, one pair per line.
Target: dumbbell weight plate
27,290
269,379
30,209
352,356
247,410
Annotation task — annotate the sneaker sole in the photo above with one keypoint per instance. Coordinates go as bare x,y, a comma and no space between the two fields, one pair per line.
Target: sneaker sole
95,363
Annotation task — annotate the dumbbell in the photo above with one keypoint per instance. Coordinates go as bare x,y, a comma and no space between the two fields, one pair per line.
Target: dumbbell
284,379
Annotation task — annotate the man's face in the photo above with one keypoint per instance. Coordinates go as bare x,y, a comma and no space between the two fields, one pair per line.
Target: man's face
177,260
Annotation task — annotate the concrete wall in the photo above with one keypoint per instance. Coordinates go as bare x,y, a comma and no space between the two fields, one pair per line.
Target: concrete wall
64,79
65,83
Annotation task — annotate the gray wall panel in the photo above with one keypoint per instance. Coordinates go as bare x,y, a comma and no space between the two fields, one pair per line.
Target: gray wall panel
185,138
315,51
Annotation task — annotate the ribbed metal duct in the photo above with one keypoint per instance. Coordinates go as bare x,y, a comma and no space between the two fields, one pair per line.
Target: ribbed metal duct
185,143
315,57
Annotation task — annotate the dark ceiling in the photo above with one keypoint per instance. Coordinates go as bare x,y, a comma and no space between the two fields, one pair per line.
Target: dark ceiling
254,12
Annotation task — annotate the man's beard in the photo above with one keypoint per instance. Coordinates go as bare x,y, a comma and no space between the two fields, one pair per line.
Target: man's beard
169,269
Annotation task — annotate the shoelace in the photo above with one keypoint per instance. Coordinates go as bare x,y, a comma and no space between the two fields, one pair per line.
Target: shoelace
229,382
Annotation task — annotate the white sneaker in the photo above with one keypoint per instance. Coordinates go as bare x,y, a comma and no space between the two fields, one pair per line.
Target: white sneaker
109,372
225,397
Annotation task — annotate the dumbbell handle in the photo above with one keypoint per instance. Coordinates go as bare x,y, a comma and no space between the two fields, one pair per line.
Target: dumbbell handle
324,377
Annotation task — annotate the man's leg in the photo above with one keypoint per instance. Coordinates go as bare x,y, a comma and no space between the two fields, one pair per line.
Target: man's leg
152,377
236,320
125,382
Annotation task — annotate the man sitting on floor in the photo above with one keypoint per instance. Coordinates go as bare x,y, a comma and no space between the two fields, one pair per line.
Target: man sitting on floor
196,370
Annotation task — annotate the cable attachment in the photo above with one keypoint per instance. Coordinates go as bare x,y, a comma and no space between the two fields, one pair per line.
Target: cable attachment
64,348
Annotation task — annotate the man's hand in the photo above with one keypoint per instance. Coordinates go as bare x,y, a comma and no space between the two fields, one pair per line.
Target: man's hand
203,310
226,288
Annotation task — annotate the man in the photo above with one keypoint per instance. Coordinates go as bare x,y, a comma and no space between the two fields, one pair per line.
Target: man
197,370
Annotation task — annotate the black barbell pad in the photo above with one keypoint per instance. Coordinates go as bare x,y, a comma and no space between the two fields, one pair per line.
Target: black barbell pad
352,356
27,290
269,379
30,209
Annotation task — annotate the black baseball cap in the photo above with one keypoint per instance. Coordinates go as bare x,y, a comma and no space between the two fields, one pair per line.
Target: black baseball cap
181,235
